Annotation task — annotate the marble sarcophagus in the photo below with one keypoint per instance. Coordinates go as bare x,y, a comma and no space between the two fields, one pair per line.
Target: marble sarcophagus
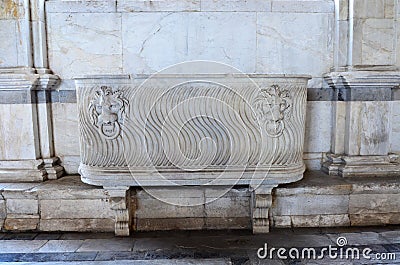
193,129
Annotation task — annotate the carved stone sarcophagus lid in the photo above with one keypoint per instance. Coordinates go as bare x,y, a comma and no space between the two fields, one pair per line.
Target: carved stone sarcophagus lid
191,129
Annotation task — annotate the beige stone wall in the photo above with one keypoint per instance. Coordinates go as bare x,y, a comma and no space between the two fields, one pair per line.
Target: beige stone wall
317,201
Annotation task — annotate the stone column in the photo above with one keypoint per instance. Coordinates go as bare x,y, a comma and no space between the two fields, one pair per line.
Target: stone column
261,201
363,78
362,124
26,147
120,203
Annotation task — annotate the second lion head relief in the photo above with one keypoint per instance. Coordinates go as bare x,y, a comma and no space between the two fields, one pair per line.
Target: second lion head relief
107,110
272,105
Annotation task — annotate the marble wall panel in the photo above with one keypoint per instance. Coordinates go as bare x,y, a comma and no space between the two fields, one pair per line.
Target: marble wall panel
74,6
314,6
158,5
236,5
318,126
217,36
84,43
395,136
8,43
17,132
65,123
374,42
369,128
294,43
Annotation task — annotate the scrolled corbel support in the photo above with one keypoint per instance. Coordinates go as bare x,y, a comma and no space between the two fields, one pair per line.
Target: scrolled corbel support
119,202
261,202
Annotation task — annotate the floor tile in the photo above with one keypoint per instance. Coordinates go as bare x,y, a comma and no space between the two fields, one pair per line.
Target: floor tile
298,241
112,255
48,236
61,246
19,236
112,244
9,257
359,239
391,236
21,246
87,236
135,262
392,247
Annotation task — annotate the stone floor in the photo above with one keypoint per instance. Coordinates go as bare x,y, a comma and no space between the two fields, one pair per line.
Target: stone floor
194,247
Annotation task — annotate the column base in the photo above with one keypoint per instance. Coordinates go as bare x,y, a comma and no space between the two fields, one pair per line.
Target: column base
261,201
361,166
53,168
22,171
30,170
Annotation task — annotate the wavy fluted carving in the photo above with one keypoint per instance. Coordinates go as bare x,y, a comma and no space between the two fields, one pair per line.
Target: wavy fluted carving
198,126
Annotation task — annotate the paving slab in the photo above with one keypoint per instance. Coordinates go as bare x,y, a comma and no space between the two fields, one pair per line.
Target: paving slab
119,255
133,262
21,246
298,241
61,246
255,260
148,244
175,247
359,239
78,235
11,257
19,236
111,244
44,257
48,236
391,236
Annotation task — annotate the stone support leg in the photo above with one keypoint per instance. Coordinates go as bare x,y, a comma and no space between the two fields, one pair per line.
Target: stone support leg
261,201
119,199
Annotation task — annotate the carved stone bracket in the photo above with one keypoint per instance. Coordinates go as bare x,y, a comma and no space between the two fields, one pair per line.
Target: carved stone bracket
119,200
261,201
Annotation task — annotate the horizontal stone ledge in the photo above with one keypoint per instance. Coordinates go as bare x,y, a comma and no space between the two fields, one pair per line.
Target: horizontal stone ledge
75,209
367,219
193,223
107,6
317,200
303,6
318,220
37,97
69,96
127,6
77,225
